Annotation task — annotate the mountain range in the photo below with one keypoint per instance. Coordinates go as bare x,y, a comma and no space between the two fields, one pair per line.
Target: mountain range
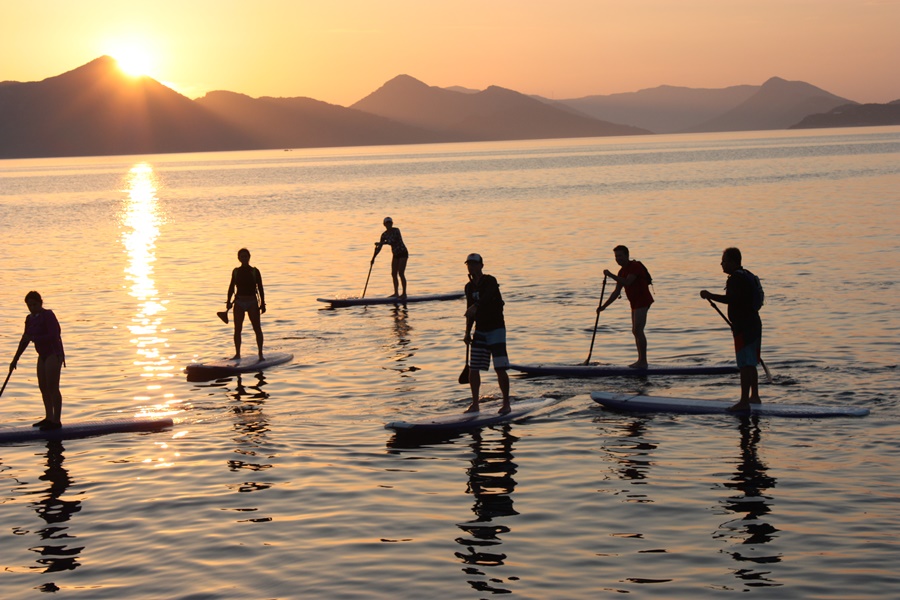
96,109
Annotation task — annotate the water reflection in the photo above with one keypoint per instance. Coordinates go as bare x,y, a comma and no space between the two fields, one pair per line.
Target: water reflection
633,455
749,530
401,351
491,482
140,219
55,549
252,426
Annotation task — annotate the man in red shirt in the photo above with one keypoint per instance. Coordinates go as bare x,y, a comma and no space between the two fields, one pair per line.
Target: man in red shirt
634,277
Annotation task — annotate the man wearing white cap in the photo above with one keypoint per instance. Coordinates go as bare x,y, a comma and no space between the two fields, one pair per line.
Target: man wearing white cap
485,311
392,238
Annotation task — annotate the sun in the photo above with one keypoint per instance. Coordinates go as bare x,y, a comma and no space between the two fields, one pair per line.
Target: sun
133,60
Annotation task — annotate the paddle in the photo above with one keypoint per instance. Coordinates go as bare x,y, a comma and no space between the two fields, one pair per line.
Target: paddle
721,314
464,376
596,321
10,373
223,315
371,264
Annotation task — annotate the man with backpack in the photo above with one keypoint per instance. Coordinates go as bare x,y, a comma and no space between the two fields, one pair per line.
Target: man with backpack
635,279
744,297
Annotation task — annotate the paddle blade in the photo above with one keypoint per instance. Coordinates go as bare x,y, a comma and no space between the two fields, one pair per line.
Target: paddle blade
223,315
464,376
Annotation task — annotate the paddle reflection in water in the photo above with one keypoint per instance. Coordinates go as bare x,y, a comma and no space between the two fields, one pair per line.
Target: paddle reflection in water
491,482
55,547
749,530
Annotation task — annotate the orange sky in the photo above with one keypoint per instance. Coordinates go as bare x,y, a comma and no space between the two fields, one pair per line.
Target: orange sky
341,50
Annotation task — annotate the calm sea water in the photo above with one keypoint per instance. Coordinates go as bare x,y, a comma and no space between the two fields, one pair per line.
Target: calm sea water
286,484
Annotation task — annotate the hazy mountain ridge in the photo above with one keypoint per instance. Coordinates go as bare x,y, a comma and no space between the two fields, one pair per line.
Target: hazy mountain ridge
95,109
493,114
854,115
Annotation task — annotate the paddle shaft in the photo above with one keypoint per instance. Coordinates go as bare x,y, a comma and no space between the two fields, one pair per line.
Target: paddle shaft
596,321
7,381
371,264
721,314
464,376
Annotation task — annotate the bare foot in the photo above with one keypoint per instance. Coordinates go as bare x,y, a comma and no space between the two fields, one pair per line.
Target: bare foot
473,408
638,365
236,357
48,426
261,358
40,423
504,409
742,406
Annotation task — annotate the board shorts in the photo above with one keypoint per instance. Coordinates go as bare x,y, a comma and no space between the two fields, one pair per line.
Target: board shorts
246,303
746,353
487,344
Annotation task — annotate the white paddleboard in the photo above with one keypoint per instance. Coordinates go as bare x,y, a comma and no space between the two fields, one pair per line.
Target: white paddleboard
341,302
462,421
79,429
639,403
200,371
620,371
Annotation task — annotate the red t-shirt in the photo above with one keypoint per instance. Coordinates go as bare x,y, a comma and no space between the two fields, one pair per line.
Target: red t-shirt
638,293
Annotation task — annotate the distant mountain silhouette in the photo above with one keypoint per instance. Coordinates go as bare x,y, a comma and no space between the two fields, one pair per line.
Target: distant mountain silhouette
308,123
778,104
98,110
854,115
493,114
663,109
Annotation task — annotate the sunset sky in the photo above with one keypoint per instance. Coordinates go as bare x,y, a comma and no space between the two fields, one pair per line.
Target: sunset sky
341,50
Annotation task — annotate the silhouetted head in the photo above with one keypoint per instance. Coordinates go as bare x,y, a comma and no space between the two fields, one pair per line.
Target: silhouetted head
34,301
388,222
474,263
622,255
244,255
731,260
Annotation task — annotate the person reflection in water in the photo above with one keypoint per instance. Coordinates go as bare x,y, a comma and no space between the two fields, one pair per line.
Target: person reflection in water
42,328
491,483
249,298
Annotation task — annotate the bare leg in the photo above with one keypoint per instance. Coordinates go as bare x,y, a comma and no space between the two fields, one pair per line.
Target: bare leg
401,271
475,385
257,328
503,381
48,372
749,389
238,328
638,322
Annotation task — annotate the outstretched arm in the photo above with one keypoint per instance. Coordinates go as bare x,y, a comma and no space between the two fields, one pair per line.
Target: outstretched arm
23,343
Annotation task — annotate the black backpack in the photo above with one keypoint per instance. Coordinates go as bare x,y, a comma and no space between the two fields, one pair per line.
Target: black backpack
759,295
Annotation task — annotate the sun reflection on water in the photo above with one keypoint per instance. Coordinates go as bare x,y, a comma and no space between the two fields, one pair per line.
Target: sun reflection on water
141,218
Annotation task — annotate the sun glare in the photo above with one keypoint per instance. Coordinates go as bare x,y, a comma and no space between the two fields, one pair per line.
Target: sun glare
133,61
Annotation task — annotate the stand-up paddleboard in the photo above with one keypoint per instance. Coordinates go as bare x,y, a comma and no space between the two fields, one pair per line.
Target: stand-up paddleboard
618,371
462,421
203,371
638,403
80,429
342,302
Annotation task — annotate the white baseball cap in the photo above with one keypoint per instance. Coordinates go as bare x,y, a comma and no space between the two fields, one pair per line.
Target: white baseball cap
474,258
388,220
